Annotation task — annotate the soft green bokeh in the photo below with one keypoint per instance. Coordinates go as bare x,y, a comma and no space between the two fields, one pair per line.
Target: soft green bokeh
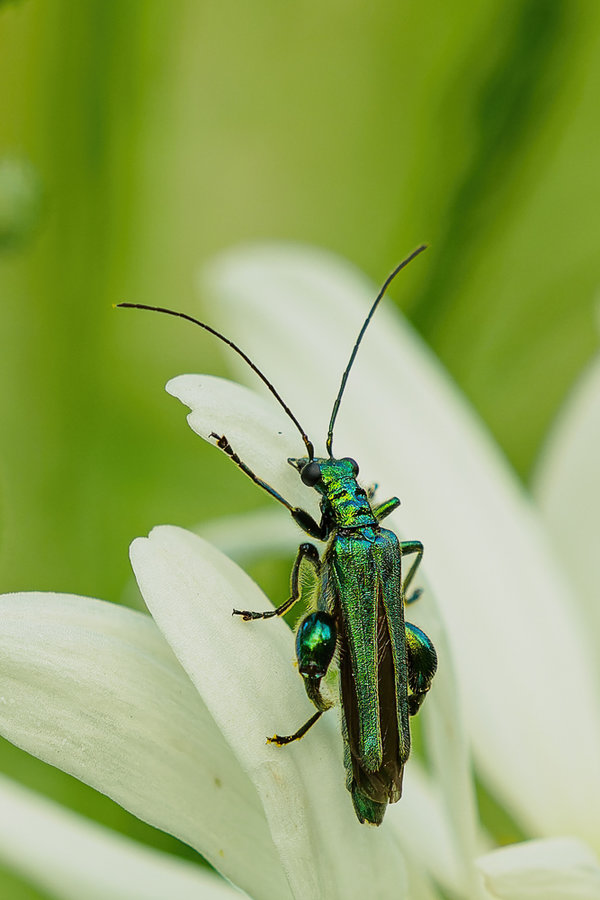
152,135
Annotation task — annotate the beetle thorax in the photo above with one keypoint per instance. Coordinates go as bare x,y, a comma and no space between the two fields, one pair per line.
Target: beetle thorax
343,501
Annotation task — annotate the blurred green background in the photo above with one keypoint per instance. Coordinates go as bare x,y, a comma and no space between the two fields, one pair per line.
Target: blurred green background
139,138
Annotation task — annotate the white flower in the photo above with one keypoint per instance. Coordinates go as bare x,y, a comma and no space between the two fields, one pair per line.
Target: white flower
551,869
95,689
525,660
70,857
567,485
169,717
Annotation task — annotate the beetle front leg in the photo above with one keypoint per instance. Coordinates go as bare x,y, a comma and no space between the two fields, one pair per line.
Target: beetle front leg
384,509
422,665
306,553
320,531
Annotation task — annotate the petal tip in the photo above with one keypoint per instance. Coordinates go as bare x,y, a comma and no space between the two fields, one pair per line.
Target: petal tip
176,386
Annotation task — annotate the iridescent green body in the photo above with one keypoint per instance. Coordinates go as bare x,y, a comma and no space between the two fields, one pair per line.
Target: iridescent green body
386,665
361,588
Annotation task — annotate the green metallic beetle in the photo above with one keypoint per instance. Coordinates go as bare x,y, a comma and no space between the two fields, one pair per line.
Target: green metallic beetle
386,665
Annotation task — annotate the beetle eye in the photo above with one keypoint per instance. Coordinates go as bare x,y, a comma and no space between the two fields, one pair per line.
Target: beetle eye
354,465
310,474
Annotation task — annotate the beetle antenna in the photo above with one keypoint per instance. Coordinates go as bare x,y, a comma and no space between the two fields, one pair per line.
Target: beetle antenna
171,312
382,291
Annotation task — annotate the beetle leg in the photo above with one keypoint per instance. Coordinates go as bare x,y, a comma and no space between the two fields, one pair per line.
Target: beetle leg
306,553
422,664
224,445
320,530
407,548
384,509
302,518
371,490
280,739
315,645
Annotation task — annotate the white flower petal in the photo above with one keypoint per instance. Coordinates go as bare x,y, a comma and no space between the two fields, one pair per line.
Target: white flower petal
438,831
552,869
71,857
447,745
525,667
423,828
248,535
256,428
567,485
245,675
421,886
94,689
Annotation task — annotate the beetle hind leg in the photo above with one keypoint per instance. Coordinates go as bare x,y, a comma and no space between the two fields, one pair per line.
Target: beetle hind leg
281,739
422,665
316,641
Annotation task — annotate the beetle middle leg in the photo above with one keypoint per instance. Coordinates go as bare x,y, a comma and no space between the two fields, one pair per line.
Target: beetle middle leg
306,553
407,548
